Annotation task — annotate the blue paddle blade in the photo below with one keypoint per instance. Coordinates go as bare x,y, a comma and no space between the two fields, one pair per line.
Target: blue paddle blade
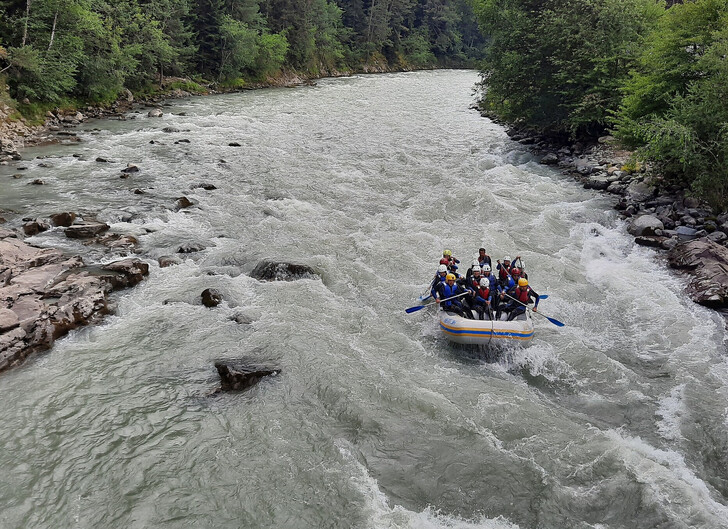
544,296
415,309
554,321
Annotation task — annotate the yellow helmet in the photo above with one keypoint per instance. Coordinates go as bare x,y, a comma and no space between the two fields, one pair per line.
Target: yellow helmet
447,252
523,282
448,277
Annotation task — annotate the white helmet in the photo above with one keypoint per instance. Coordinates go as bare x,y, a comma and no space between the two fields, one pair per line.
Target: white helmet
442,268
486,268
476,263
476,269
484,282
506,258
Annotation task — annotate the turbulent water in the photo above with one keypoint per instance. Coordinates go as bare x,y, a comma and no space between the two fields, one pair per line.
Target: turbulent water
617,420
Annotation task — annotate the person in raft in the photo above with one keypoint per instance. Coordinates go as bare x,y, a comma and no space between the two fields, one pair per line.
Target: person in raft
449,261
518,298
504,270
439,278
483,258
448,289
483,301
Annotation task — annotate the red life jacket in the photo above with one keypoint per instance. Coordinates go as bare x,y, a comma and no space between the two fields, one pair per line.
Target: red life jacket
476,282
503,273
445,261
484,293
522,294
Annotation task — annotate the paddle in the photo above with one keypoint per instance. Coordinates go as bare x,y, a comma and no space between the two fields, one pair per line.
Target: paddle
552,320
420,307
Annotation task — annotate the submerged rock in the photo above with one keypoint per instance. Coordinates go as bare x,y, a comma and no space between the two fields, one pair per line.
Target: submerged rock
211,297
168,260
235,377
273,271
707,263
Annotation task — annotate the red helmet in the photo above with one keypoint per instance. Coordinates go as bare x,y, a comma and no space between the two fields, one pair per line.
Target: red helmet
516,272
444,261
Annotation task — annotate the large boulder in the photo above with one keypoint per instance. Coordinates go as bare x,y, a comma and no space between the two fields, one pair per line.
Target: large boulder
645,225
235,377
639,191
64,219
274,271
707,263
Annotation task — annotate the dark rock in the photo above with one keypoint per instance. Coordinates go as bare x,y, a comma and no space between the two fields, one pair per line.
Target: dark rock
691,202
234,144
550,159
718,236
64,219
238,378
707,262
170,129
183,202
652,242
102,160
639,191
190,248
168,260
130,168
86,230
273,271
597,182
125,273
37,182
35,227
183,140
211,297
670,243
138,192
203,185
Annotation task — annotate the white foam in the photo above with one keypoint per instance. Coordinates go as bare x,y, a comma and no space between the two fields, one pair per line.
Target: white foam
671,408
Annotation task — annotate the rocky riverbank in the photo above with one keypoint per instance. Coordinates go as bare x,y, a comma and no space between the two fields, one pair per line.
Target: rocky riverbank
45,293
663,218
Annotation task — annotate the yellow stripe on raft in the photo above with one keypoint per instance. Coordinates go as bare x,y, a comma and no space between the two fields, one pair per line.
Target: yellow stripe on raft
494,333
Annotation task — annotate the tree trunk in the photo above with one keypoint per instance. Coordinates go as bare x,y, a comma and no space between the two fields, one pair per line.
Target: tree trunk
27,19
53,31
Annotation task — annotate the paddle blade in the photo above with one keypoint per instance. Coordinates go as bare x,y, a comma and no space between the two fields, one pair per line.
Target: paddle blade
414,309
554,321
544,296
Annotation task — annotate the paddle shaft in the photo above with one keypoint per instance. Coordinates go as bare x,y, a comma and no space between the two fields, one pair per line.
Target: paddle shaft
552,320
420,307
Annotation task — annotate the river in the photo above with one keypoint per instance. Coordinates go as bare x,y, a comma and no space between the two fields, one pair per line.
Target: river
617,420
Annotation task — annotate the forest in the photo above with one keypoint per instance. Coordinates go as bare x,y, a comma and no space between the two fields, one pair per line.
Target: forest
53,50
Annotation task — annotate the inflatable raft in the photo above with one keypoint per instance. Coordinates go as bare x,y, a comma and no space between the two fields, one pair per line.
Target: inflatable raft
483,332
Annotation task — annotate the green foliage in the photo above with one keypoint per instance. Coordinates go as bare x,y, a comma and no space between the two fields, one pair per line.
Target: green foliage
417,51
557,65
674,106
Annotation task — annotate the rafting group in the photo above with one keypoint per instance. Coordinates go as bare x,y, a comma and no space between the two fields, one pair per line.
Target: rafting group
482,293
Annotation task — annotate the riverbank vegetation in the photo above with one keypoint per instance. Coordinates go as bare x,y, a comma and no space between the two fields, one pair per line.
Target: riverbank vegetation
53,51
654,74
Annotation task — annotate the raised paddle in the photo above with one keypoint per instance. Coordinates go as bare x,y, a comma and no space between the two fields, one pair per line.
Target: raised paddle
420,307
552,320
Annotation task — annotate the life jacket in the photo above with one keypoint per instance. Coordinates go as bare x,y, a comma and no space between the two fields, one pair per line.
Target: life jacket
521,294
476,282
503,273
448,292
445,261
484,293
